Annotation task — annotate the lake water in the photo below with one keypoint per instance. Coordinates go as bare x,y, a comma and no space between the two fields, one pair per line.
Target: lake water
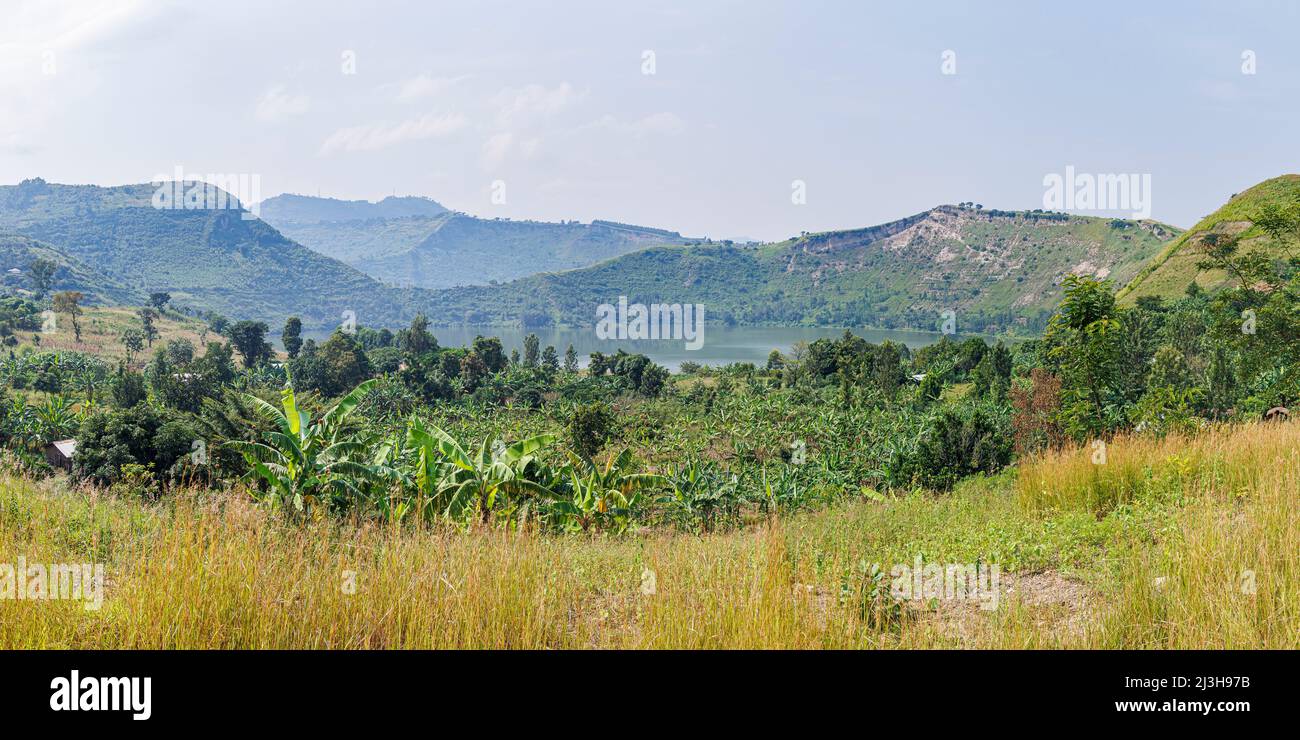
722,345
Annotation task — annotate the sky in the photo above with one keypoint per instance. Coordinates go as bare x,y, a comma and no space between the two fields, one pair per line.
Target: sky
709,118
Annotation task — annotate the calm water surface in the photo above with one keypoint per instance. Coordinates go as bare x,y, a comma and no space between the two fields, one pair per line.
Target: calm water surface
722,345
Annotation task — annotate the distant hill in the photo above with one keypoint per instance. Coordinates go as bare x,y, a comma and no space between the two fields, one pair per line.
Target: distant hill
306,209
996,270
444,249
208,259
1176,266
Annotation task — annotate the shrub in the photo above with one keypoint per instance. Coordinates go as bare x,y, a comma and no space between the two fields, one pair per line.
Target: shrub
1035,421
128,388
590,427
140,435
961,441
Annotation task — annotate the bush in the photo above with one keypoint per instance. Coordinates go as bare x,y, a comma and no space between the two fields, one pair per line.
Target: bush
1036,420
128,388
590,428
141,435
960,441
384,360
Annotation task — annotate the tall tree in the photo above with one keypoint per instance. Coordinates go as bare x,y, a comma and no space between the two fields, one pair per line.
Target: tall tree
531,345
159,299
490,351
291,337
42,275
570,360
1084,337
69,302
249,338
133,341
147,315
550,359
417,340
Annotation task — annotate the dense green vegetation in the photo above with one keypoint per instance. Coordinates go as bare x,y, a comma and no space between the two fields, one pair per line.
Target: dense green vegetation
392,425
65,272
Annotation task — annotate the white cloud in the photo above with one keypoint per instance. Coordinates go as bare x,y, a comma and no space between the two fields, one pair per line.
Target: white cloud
71,24
373,136
656,124
500,145
11,143
496,148
420,86
667,124
49,52
520,106
277,104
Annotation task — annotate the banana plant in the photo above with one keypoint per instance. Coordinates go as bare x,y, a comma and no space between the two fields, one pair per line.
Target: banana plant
301,461
412,466
700,493
389,464
606,498
481,481
21,423
55,419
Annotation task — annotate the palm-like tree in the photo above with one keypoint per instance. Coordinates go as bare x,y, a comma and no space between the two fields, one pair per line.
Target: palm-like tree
604,496
455,481
302,461
700,493
55,419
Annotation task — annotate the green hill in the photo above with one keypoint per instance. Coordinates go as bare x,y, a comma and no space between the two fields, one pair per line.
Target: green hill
207,259
446,249
18,253
1170,272
997,270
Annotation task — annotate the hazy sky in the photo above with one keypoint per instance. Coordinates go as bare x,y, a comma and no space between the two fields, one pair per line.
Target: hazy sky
552,99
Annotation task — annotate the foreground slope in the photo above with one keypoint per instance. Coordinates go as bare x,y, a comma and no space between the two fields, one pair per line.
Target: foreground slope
995,270
1143,553
416,242
1177,265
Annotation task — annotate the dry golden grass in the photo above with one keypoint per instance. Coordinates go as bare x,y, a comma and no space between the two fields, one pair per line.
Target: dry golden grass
1228,575
212,571
101,332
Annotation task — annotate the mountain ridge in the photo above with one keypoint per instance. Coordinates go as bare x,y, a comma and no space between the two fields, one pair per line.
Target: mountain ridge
295,208
996,270
451,248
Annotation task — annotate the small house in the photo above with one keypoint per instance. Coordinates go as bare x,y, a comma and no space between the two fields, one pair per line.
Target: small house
59,454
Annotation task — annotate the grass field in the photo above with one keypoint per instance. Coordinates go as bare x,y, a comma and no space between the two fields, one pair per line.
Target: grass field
1181,543
101,332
